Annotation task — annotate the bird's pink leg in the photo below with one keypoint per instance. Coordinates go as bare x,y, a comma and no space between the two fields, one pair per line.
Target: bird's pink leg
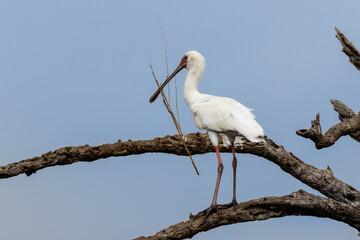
234,164
214,205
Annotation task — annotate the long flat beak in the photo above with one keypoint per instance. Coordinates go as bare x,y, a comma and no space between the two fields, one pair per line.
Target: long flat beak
157,92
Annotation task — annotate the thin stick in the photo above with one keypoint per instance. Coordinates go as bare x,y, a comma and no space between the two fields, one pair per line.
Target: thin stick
166,60
174,120
167,74
176,102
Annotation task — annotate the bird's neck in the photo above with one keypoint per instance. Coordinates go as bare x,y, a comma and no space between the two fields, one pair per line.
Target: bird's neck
191,83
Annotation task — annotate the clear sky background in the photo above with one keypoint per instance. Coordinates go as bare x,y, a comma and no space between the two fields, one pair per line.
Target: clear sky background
77,72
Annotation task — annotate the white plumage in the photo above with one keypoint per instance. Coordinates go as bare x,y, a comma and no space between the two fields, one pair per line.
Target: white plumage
217,115
227,116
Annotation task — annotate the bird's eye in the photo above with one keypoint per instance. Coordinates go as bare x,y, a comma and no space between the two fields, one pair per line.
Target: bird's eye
185,57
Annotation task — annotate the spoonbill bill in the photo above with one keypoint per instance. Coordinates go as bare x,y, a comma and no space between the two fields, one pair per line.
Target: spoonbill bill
217,115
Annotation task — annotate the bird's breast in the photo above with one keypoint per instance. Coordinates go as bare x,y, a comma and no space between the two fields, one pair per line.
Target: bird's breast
198,121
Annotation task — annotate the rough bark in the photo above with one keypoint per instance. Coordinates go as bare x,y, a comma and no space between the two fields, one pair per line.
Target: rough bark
322,180
349,49
198,143
345,113
299,203
346,127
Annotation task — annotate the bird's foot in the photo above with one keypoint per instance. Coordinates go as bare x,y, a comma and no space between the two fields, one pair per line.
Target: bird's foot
228,205
212,208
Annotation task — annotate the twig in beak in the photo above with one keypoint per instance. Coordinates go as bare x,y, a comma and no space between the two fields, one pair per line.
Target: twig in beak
174,120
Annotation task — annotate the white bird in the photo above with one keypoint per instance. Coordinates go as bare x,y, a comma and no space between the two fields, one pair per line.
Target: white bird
217,115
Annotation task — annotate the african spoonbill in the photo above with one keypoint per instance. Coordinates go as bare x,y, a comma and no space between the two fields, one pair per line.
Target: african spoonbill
217,115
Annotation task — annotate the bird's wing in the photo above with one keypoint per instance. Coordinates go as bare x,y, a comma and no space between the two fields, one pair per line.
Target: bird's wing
225,114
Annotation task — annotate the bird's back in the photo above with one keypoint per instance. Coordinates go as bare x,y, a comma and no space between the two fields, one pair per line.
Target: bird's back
225,115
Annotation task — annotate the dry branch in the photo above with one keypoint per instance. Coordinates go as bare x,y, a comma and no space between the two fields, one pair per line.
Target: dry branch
343,201
297,203
349,49
322,180
348,126
345,113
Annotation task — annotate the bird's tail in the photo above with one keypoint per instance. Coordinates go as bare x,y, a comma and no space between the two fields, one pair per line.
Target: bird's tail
260,138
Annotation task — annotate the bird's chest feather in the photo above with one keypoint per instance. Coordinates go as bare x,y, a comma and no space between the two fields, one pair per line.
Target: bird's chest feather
210,114
208,121
198,122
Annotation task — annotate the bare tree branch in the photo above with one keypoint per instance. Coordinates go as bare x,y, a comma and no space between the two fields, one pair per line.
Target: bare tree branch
343,110
349,49
350,124
295,204
322,180
345,113
346,127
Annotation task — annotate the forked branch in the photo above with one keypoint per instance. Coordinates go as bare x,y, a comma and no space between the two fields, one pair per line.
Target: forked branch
345,113
348,126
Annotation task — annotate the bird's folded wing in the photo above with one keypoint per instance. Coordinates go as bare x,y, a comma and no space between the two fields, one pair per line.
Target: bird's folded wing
225,114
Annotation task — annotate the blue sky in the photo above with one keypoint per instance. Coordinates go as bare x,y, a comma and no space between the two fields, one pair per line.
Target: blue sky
77,72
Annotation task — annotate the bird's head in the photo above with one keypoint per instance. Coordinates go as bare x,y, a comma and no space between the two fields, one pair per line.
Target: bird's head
191,60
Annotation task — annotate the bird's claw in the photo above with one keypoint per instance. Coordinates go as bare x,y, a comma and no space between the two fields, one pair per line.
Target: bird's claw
208,210
214,208
228,205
